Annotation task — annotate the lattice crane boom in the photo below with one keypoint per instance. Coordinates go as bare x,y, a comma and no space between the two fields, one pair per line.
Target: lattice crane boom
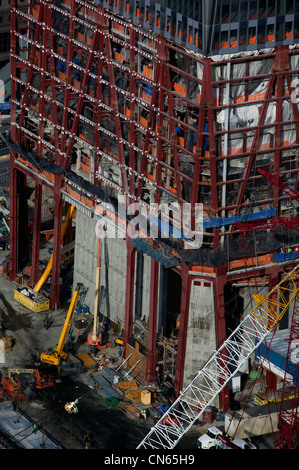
276,181
223,365
274,223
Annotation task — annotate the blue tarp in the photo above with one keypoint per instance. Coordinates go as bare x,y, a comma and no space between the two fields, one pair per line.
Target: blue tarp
219,222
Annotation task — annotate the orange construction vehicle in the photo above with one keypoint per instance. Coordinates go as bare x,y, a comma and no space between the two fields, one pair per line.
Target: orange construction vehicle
11,385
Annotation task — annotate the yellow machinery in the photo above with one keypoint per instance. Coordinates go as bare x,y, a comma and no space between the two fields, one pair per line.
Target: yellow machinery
31,298
58,353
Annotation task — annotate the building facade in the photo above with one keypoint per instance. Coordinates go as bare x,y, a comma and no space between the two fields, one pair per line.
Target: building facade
178,103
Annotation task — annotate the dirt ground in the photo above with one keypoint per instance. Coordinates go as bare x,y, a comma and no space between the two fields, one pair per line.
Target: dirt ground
108,427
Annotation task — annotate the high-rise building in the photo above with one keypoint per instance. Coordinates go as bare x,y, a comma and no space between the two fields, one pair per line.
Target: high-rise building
4,32
191,105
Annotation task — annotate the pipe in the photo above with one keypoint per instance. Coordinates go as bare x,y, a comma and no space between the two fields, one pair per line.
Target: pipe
48,269
97,289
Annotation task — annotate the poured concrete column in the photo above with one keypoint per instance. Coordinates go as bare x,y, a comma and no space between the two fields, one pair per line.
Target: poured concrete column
152,322
128,324
34,275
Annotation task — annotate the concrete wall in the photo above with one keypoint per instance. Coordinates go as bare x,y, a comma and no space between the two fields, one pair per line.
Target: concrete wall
113,268
201,338
113,271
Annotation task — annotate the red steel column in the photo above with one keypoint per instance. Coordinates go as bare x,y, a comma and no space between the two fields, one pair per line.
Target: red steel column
54,296
34,275
219,284
13,170
184,316
130,275
152,323
13,209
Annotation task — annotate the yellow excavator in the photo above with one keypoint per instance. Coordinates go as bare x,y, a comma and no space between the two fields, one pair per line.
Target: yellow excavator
58,354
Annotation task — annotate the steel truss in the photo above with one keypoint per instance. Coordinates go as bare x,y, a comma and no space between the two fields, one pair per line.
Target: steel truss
223,365
119,95
100,98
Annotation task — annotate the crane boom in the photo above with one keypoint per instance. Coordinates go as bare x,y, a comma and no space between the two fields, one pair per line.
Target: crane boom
274,223
223,365
58,353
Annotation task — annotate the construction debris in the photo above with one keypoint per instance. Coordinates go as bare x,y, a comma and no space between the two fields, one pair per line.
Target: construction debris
9,342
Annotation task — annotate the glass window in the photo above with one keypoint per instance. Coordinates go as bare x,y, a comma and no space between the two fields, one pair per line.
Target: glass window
271,7
270,33
289,7
218,14
252,36
225,14
234,38
288,30
234,15
262,9
216,38
243,37
280,31
197,11
281,7
261,34
253,10
244,10
224,39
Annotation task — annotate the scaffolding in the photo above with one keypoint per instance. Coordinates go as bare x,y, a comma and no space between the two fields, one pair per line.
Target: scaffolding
106,106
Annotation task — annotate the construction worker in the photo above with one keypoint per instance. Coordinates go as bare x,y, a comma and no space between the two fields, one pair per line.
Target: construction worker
34,430
86,441
142,415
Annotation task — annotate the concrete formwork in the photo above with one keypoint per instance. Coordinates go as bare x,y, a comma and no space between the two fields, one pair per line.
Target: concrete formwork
201,338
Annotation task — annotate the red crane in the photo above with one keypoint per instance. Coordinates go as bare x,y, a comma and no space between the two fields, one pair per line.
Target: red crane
274,223
288,417
276,181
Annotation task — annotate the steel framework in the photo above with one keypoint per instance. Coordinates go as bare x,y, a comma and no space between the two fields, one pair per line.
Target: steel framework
103,106
223,365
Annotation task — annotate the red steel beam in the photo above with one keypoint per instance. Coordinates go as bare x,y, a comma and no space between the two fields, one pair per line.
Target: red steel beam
32,58
55,286
219,283
115,110
97,109
133,114
150,127
13,209
152,323
82,93
70,50
183,328
280,63
34,274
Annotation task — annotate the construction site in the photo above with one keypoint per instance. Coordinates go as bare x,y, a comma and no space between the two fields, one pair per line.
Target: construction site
149,225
